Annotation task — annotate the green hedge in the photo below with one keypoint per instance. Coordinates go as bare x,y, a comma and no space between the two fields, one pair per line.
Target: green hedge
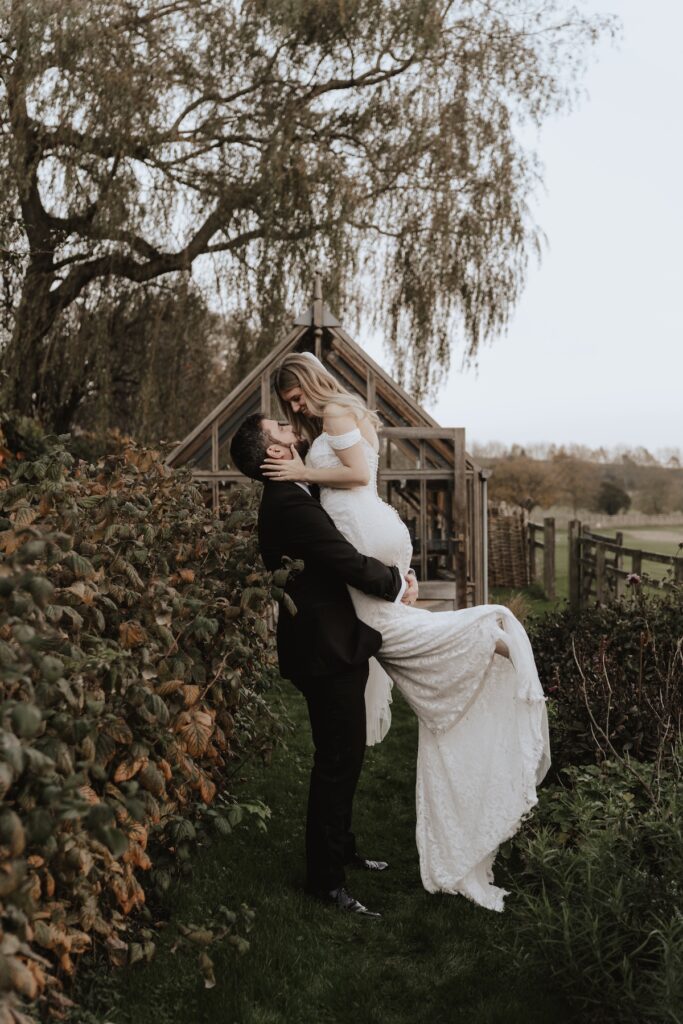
597,874
596,870
614,677
134,658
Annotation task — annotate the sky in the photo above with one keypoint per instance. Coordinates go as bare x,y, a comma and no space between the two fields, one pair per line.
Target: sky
594,352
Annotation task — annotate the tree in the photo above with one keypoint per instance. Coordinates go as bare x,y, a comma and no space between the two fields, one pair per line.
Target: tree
575,480
522,481
141,137
147,361
611,498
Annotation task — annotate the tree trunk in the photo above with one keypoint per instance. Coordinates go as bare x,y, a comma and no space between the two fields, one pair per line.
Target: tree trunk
23,357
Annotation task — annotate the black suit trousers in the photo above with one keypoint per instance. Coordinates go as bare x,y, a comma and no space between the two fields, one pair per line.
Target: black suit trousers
336,708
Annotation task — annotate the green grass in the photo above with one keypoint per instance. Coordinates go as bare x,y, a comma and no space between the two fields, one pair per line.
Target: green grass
430,960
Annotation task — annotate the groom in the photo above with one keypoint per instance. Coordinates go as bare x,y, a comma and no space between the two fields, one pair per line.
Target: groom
324,649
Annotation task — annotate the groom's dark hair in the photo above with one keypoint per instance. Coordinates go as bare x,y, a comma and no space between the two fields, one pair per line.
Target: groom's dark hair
248,446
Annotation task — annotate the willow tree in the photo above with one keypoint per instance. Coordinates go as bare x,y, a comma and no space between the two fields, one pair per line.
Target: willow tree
253,139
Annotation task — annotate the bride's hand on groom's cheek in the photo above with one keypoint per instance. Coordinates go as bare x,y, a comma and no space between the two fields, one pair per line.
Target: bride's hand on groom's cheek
285,469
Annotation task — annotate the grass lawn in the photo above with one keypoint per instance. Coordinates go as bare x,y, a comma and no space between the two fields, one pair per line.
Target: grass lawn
430,960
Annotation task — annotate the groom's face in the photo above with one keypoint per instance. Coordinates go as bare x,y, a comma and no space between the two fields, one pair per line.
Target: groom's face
282,436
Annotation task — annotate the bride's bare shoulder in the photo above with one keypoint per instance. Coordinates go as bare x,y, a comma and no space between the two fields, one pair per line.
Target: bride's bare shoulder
338,419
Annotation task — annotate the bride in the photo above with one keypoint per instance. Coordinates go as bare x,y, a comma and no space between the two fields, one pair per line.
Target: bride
468,675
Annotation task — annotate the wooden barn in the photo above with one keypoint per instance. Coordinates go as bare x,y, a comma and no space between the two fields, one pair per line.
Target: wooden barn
425,471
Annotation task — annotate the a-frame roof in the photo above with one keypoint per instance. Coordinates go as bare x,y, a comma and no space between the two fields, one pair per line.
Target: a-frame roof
315,330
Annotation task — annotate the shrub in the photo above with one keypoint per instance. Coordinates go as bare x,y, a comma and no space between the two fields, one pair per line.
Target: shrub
614,677
598,872
134,655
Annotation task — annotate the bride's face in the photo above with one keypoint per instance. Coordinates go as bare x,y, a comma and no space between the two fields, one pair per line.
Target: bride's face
298,401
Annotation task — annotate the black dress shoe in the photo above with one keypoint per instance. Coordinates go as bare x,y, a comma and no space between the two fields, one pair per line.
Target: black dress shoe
367,865
343,900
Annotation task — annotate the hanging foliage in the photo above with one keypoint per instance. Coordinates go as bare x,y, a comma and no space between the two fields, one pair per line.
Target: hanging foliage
383,138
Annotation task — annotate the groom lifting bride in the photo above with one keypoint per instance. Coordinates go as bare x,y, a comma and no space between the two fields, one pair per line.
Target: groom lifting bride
324,649
469,675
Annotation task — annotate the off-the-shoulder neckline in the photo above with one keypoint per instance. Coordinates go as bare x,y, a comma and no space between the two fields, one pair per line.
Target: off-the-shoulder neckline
372,448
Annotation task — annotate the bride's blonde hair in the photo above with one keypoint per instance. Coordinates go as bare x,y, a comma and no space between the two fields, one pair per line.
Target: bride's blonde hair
304,370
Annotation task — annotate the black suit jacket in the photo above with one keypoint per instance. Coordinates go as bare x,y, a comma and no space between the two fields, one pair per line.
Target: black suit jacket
325,637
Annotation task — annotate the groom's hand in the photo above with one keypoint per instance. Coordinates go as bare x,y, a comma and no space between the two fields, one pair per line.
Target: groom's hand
410,594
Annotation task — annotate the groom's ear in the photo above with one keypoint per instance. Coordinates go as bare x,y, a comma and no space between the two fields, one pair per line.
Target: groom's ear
277,451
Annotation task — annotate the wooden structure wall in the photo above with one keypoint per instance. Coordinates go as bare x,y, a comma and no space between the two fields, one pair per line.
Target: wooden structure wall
425,471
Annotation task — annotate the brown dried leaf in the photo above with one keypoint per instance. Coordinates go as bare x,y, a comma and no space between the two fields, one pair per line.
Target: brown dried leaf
89,794
119,730
195,731
128,769
207,788
131,634
191,693
169,686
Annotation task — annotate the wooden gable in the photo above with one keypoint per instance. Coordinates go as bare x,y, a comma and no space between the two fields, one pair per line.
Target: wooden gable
424,471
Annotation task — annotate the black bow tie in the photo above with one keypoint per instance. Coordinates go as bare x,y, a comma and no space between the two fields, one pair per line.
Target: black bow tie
315,491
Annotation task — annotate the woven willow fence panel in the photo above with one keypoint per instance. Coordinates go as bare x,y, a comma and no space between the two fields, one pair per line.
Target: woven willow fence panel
508,547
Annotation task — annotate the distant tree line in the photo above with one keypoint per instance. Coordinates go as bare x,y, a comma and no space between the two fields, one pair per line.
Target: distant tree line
671,457
581,483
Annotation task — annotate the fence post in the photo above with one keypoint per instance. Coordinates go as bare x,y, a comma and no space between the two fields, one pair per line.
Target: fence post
549,557
600,573
575,564
637,563
678,571
531,547
619,564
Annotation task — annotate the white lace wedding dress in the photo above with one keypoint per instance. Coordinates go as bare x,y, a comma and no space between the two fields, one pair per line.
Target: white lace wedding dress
483,730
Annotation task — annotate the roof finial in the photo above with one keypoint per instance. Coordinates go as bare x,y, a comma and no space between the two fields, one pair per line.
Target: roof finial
318,314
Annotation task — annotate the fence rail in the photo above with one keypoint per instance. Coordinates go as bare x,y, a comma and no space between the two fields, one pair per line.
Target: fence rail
597,566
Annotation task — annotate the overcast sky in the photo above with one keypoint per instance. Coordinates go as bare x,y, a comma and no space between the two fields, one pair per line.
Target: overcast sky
594,354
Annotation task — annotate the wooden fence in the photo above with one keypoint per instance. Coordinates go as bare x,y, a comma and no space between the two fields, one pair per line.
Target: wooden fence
508,560
598,569
541,537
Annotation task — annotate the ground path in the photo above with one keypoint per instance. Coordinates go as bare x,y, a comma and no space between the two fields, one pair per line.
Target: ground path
430,960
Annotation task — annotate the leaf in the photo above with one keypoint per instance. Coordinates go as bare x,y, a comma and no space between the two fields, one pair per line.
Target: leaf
82,591
158,708
169,686
115,840
129,769
72,614
187,575
12,834
131,634
195,729
26,720
252,597
152,779
105,748
206,967
119,730
24,516
207,788
79,565
191,694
